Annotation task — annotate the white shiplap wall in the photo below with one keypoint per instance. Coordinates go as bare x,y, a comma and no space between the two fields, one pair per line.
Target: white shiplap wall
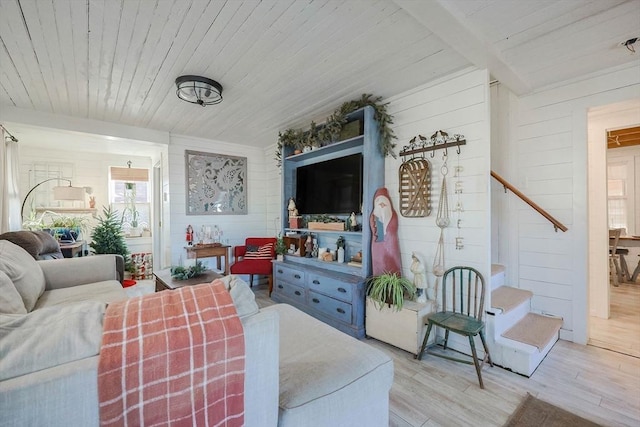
235,227
457,105
550,137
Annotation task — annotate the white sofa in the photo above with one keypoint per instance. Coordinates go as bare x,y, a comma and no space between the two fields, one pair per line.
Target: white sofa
298,371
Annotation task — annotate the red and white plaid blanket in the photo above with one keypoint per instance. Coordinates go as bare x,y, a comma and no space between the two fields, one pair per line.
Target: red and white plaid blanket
173,358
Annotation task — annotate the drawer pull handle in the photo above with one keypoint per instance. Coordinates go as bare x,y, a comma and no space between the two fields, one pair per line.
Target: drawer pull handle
280,271
316,282
339,310
297,276
316,300
343,290
280,286
297,293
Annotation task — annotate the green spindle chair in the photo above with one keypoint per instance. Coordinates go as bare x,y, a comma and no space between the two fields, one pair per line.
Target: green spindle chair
462,313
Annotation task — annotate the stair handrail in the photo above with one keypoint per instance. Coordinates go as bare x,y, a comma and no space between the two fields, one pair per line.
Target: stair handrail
508,186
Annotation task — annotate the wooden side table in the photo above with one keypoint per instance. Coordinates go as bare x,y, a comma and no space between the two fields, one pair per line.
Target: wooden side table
165,282
210,251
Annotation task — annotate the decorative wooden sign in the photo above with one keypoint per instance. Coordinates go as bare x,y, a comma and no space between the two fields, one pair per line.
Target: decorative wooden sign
415,188
216,184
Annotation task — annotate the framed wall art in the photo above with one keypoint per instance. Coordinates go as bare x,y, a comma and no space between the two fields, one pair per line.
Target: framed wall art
216,184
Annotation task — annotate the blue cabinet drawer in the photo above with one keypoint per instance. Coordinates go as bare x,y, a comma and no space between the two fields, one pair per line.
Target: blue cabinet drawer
330,306
329,286
288,274
292,291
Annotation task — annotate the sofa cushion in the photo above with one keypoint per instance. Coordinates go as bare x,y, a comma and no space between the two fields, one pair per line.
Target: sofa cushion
10,300
107,291
24,272
39,244
318,364
49,337
243,298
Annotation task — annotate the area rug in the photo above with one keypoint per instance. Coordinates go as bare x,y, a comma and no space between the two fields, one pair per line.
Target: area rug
534,412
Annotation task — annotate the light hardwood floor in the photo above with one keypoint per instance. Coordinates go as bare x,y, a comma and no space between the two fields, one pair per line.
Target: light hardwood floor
621,332
598,384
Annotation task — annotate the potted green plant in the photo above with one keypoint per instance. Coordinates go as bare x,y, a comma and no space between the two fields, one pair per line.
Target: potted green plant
281,248
390,289
60,226
289,138
135,230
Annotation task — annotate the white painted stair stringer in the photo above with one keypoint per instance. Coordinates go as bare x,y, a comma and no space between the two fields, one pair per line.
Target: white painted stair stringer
513,355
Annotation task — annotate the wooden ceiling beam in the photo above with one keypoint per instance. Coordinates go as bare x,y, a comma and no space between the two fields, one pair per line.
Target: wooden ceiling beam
456,31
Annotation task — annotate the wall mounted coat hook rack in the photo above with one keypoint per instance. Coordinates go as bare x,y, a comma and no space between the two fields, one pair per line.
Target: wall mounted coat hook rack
439,140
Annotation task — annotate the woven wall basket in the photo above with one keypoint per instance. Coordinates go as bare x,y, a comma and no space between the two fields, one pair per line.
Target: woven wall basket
415,188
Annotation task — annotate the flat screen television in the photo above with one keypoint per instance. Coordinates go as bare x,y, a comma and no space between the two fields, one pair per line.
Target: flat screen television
330,187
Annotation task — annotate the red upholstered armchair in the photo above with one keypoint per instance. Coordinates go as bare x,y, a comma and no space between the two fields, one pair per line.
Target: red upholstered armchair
255,258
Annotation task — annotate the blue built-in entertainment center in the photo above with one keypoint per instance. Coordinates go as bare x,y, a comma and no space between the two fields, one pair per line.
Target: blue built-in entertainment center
351,169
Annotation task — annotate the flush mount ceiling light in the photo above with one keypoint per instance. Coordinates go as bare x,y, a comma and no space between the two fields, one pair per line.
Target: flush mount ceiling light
199,90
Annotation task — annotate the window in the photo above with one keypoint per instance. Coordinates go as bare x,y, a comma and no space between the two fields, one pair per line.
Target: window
617,194
129,194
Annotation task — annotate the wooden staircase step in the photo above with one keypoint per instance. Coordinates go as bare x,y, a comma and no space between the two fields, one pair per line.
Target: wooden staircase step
535,329
497,268
507,298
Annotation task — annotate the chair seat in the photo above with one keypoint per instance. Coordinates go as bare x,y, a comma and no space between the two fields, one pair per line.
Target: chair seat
252,266
456,322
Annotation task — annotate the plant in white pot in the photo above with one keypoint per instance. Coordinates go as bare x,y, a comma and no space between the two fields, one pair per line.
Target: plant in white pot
392,316
390,289
281,248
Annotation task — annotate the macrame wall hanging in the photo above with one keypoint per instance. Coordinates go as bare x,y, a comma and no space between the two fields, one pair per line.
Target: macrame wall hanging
414,176
442,221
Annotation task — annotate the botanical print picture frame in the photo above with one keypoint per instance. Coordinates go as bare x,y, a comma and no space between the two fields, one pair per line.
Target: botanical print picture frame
216,184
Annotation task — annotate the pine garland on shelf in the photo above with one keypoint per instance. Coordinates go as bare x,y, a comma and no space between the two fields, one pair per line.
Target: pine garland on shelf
298,138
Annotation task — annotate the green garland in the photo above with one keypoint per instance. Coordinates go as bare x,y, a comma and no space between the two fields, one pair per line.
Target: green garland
297,139
182,273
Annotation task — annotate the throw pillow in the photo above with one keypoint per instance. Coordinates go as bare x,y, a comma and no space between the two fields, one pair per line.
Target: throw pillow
263,252
10,300
243,298
49,336
24,272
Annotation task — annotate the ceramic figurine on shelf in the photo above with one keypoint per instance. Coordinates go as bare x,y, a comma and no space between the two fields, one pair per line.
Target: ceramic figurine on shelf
353,223
417,268
340,243
291,207
189,236
308,246
92,202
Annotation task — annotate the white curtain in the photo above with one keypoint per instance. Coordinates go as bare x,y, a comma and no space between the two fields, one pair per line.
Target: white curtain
9,196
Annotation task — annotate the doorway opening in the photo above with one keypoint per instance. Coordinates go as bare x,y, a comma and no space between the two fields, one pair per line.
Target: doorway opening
614,202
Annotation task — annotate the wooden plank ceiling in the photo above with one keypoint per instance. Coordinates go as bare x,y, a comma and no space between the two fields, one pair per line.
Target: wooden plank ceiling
281,62
626,137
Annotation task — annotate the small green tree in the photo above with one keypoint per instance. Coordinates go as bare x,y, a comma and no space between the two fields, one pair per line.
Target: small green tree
107,237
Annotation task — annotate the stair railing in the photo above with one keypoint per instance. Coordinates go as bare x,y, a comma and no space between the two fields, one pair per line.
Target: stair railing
507,186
